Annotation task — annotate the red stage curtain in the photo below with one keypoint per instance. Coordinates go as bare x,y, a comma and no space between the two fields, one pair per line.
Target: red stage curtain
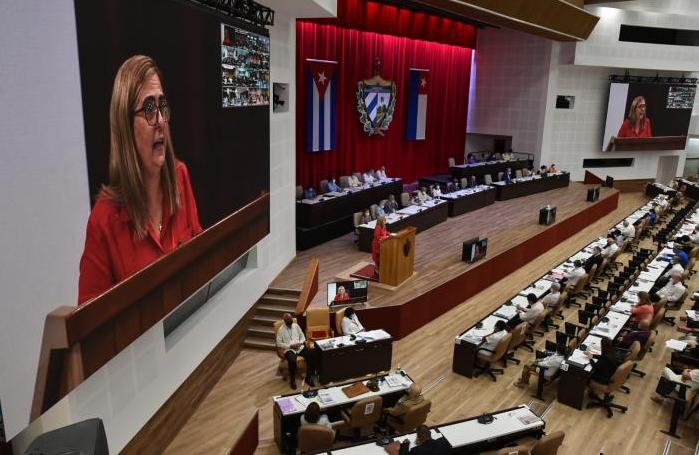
355,51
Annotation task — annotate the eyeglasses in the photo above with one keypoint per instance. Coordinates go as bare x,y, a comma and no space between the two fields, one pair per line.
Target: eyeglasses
150,110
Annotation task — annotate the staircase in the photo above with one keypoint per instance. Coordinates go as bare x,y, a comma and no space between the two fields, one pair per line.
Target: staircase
270,308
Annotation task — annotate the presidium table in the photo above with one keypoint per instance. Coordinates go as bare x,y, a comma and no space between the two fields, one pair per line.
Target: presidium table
330,215
348,357
489,167
525,186
422,217
469,199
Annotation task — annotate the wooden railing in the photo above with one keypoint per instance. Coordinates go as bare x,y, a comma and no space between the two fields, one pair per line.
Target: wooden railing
77,341
310,287
248,441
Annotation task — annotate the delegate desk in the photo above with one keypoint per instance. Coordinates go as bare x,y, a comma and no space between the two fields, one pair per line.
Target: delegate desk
525,186
468,436
654,189
422,217
330,215
469,199
288,409
490,167
343,358
691,189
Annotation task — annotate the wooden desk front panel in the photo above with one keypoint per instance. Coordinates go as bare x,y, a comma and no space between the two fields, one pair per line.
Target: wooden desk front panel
355,361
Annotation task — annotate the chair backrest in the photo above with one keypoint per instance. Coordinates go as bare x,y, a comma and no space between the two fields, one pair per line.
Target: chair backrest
500,174
657,318
344,181
514,450
537,322
501,348
416,416
582,281
549,444
323,186
634,349
356,217
372,210
366,412
318,323
464,182
593,271
646,346
404,199
519,334
452,162
620,376
299,192
659,305
518,173
488,179
526,172
339,316
313,438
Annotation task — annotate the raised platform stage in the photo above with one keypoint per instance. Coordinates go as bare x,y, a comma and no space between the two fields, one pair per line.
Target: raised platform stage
442,280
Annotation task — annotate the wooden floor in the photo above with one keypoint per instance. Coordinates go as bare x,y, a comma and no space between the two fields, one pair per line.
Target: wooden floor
427,355
438,249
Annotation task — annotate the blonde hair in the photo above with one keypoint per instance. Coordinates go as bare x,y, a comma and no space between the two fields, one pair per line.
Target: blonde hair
126,185
632,111
381,221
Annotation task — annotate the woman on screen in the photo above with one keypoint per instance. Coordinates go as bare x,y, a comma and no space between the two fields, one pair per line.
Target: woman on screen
341,295
148,208
636,124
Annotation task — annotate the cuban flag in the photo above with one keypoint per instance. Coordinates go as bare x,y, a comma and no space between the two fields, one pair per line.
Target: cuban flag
321,105
417,103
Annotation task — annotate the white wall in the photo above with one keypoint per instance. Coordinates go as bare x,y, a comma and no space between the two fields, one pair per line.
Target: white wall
507,98
44,171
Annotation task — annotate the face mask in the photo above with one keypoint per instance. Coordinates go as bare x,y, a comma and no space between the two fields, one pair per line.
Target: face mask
288,324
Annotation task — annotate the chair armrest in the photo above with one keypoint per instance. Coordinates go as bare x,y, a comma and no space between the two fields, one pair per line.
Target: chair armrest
486,349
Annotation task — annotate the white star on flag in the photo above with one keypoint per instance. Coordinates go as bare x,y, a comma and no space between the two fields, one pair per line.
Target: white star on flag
321,77
423,82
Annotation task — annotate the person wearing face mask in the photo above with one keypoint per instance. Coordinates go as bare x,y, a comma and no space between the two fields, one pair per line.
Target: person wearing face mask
332,186
147,209
292,343
391,206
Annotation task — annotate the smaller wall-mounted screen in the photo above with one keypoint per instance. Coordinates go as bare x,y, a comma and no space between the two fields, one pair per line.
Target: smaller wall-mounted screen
648,116
244,67
346,292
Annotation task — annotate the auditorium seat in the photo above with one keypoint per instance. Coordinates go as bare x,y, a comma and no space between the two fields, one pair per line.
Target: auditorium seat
323,186
618,379
519,336
487,358
487,179
404,199
299,192
344,181
526,172
339,316
315,438
500,174
362,417
410,421
318,323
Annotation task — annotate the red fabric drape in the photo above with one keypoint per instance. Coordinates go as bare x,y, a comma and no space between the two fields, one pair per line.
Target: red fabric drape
355,51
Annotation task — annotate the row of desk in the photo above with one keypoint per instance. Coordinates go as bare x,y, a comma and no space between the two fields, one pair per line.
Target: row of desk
347,357
525,186
490,167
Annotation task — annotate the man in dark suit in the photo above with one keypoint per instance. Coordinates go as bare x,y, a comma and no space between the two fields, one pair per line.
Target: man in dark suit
596,258
424,444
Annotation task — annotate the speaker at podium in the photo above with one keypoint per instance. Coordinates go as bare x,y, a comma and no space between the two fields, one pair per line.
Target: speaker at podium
547,215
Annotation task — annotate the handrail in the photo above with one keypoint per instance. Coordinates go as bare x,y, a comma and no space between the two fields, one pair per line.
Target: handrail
592,179
310,287
77,341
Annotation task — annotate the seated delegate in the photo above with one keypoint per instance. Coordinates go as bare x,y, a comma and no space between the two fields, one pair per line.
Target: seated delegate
381,173
391,205
332,186
407,402
350,323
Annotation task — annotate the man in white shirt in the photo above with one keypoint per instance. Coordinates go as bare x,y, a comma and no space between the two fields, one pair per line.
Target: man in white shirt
674,289
350,323
663,203
381,173
610,249
490,342
354,181
574,275
628,230
552,297
549,364
292,342
529,315
368,177
676,267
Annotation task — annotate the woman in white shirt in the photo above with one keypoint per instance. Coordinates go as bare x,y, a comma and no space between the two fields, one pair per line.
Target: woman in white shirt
381,173
312,416
350,323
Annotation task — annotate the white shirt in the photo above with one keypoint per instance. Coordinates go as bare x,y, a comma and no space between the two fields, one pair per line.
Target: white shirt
437,191
368,178
552,364
322,420
381,174
551,299
672,291
287,336
575,275
675,267
351,325
353,181
628,232
533,312
663,203
609,250
491,341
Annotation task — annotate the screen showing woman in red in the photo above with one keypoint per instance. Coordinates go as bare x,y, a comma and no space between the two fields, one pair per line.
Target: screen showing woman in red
637,124
148,207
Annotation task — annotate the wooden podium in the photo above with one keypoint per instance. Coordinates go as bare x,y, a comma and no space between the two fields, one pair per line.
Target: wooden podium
397,257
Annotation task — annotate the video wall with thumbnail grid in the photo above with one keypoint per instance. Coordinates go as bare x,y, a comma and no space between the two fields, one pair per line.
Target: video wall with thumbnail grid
244,68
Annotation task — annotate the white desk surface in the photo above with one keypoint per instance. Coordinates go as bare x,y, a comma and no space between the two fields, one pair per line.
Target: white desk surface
465,192
371,448
504,423
406,212
295,404
539,288
475,335
612,327
370,336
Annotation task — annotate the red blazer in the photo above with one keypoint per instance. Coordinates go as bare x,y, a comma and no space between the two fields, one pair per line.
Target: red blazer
111,251
380,233
627,130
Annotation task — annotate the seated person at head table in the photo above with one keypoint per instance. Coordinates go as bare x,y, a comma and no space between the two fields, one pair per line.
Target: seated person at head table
341,295
449,187
491,157
368,176
611,247
543,170
507,175
415,198
412,398
640,334
471,159
595,259
354,181
684,258
392,205
333,187
350,323
606,364
528,315
674,289
644,310
549,364
490,341
380,211
313,416
424,196
292,342
508,155
552,169
676,266
551,299
456,184
687,376
574,275
381,173
628,230
310,193
436,191
366,217
424,444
